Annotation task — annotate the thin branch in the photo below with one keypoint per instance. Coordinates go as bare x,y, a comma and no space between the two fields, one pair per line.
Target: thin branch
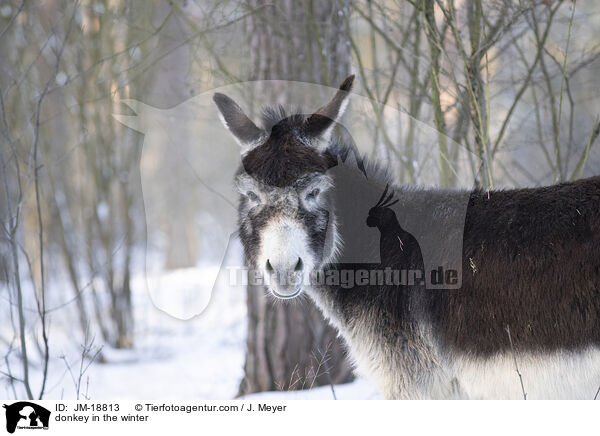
562,84
588,146
42,309
515,360
530,69
12,20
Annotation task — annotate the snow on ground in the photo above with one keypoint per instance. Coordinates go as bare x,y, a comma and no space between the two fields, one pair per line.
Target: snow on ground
199,358
177,359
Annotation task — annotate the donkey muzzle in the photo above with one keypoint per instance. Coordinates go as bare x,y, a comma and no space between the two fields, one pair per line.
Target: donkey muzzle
285,279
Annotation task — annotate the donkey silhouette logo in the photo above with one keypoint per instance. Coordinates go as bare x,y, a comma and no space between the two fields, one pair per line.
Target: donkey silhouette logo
26,415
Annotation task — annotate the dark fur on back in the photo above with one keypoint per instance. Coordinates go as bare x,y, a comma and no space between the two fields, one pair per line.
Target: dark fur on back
531,262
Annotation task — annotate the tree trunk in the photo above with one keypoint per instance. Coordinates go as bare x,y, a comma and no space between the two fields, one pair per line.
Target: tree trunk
291,346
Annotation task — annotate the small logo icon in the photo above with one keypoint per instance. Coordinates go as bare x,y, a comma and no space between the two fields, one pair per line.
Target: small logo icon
26,415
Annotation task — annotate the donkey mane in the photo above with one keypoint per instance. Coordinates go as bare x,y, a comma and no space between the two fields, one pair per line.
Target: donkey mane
285,119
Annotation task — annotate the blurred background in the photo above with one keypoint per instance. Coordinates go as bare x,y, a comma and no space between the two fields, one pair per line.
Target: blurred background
114,225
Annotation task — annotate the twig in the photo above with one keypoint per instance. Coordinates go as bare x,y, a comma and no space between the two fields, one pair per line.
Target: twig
12,20
515,360
530,69
86,350
562,84
583,159
35,142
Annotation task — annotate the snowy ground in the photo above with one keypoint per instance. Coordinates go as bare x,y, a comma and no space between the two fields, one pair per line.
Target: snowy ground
201,358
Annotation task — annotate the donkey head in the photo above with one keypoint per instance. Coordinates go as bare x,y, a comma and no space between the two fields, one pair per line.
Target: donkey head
287,224
381,213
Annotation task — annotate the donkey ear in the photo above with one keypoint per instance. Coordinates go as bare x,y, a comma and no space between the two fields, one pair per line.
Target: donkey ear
243,129
319,124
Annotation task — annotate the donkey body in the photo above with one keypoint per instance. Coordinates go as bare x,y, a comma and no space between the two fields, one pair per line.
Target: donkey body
529,303
531,277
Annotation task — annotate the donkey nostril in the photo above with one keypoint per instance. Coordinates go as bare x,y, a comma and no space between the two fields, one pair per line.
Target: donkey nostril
269,266
299,265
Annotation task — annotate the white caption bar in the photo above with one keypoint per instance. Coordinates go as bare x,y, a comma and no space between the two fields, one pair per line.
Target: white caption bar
300,417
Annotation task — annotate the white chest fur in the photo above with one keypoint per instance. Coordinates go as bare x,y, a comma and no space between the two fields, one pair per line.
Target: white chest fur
558,375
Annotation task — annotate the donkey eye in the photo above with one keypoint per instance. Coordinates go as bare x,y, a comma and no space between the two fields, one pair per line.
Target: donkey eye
252,196
313,194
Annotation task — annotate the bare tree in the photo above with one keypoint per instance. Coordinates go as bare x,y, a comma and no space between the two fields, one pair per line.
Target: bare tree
460,84
16,194
306,42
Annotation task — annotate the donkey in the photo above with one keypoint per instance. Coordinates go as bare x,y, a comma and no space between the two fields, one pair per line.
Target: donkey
525,321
